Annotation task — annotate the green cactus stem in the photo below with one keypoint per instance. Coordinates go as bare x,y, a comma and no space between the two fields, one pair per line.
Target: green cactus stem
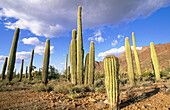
66,66
86,69
26,74
21,71
68,73
4,68
30,66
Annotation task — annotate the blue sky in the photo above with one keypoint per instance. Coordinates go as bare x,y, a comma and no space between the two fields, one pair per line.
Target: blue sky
105,23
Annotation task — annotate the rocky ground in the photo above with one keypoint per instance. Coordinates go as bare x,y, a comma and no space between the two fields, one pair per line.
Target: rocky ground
144,96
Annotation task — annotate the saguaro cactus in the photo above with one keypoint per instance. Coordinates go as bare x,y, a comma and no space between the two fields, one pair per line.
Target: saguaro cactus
4,68
68,73
111,68
91,64
12,56
86,69
80,51
30,66
21,71
26,74
155,61
136,56
129,61
46,62
73,57
66,66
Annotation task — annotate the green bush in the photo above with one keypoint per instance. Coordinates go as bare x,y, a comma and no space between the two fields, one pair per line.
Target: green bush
65,88
41,88
98,75
147,74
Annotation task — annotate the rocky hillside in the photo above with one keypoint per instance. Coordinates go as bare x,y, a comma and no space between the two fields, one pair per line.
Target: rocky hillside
163,53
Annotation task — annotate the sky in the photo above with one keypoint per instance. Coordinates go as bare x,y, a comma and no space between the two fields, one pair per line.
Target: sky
107,23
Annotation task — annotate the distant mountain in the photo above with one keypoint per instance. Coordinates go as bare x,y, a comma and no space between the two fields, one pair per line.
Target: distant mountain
163,53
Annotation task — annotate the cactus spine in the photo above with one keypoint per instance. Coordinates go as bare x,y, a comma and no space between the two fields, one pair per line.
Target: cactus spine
66,65
111,68
155,61
46,62
73,57
91,64
12,56
26,74
136,56
86,69
4,68
80,51
68,73
129,61
30,66
21,71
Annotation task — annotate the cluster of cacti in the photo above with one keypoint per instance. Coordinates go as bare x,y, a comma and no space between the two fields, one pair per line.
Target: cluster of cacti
4,68
111,68
129,61
86,69
91,64
30,66
80,50
136,56
73,57
12,56
66,66
46,62
68,73
26,74
155,61
21,70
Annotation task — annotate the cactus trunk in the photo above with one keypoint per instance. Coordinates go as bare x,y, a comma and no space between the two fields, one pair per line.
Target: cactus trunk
66,66
12,55
30,66
68,73
21,71
80,51
91,64
46,62
86,69
26,74
73,57
111,68
129,62
4,68
155,61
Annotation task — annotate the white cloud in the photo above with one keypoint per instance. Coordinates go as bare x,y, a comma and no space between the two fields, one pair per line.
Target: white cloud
50,18
114,42
2,58
97,37
39,46
115,51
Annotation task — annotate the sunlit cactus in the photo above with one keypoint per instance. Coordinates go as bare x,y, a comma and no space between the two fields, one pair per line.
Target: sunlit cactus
4,68
111,68
46,62
136,56
12,56
26,74
91,64
80,51
86,69
66,66
155,61
73,57
21,70
129,62
30,66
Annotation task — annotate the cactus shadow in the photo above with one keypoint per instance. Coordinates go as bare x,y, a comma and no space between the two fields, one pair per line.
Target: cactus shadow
142,97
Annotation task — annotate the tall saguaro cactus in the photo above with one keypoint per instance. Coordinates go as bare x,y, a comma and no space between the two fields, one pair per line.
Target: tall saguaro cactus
155,61
80,51
136,56
4,68
129,61
66,65
86,69
26,74
111,68
73,57
21,71
91,64
12,55
46,62
68,73
30,66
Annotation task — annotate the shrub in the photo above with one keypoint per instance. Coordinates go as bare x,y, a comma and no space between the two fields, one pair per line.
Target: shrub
98,75
41,88
65,88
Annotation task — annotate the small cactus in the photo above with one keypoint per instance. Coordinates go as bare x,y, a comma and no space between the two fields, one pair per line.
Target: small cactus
66,66
86,69
46,62
26,74
30,66
91,64
68,73
12,56
155,61
111,68
4,68
129,62
21,71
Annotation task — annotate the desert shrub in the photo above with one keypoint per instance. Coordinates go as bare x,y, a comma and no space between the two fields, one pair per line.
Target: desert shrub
165,73
147,74
98,75
99,82
41,88
100,89
64,88
80,88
